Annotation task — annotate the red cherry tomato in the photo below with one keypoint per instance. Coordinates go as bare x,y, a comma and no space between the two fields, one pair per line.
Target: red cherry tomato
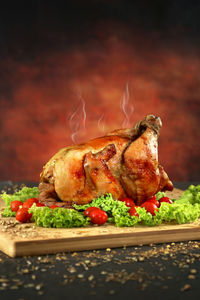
53,206
154,200
29,202
89,210
38,204
128,202
98,216
150,207
133,212
166,199
22,215
15,205
35,199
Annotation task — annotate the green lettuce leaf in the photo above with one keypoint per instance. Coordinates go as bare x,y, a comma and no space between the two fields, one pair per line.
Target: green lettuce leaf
191,195
21,195
159,195
117,210
58,217
184,210
180,213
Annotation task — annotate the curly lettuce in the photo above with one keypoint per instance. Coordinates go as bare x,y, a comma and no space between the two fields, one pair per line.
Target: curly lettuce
21,195
58,217
191,195
177,212
186,209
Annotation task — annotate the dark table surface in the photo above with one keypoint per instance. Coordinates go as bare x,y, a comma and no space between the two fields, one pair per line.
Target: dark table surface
163,271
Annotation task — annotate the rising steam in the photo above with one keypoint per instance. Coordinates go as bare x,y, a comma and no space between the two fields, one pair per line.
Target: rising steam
101,123
126,107
77,120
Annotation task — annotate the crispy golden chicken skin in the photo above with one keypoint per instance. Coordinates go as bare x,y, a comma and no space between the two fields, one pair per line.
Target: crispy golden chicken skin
123,163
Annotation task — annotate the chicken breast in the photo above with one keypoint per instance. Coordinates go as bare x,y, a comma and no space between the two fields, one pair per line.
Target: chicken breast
123,163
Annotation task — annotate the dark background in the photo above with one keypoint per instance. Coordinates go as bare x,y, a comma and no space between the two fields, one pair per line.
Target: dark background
54,54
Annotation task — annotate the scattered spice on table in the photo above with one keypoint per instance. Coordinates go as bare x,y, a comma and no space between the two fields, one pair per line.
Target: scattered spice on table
94,267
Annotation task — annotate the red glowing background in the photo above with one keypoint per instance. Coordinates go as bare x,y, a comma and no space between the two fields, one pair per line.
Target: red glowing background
41,99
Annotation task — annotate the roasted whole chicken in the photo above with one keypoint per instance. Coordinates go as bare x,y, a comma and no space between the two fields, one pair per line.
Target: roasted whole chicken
123,163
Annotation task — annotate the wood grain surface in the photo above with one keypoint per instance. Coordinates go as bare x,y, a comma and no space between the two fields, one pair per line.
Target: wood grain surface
26,239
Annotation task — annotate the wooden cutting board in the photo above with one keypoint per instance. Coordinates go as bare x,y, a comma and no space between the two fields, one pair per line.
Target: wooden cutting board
26,239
